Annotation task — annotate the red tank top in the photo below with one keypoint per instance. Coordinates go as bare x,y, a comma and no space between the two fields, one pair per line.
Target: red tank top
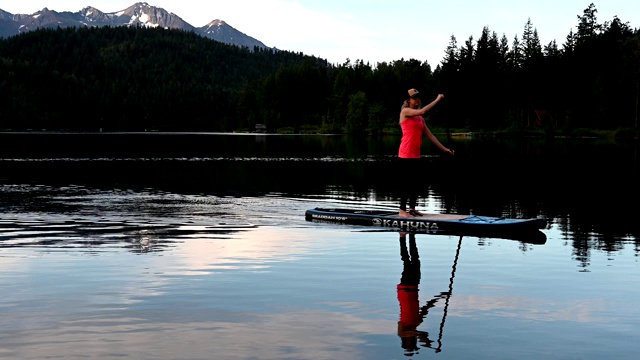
412,129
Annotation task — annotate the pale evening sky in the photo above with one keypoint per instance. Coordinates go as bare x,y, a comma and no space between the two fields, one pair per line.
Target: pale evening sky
370,30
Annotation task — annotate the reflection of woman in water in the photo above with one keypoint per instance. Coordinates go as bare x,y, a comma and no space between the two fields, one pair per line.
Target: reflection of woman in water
411,313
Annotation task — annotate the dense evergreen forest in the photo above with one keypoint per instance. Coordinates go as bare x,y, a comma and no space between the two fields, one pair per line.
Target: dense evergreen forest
137,79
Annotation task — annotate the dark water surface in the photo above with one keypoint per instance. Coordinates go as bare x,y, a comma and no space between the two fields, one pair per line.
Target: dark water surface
195,246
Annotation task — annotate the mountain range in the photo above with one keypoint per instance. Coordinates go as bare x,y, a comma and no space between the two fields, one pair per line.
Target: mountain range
138,14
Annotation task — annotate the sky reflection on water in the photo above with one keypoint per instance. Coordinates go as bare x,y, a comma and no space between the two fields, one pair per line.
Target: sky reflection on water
85,284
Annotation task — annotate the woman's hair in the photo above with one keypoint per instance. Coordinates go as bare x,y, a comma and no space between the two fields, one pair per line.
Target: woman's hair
406,104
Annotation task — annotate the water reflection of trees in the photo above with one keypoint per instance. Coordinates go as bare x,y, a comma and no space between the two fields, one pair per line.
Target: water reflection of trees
95,234
583,187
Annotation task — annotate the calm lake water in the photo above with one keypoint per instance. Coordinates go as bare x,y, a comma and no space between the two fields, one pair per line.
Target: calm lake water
195,246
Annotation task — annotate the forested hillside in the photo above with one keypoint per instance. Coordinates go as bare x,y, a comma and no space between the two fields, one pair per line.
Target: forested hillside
128,79
136,79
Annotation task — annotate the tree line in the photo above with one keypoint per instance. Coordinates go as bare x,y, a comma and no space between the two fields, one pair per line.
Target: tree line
590,81
136,79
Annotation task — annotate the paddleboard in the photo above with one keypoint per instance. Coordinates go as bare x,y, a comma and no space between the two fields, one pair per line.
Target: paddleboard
451,223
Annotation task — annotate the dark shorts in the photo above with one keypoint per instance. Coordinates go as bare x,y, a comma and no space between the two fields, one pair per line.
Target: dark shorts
417,168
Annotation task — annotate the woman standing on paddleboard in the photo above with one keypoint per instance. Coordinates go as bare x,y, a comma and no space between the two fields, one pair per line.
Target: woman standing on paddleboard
413,127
